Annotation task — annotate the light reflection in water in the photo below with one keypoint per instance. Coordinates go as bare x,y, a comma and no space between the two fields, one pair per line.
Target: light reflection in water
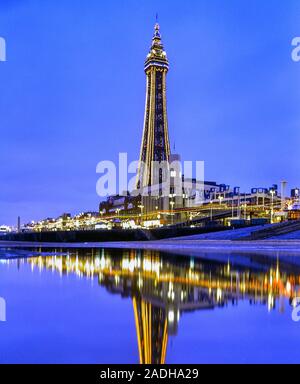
163,288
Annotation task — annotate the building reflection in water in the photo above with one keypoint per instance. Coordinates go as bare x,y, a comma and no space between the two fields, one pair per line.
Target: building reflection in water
163,287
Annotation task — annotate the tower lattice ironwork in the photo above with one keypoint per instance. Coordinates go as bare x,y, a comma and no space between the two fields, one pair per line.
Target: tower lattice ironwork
155,146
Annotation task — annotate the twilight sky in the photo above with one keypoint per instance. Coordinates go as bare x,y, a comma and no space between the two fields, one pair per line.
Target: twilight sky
73,90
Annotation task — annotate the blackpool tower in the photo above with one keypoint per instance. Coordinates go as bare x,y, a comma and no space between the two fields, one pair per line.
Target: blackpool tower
155,144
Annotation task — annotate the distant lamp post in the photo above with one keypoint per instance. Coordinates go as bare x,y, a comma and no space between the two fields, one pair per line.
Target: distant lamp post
245,210
157,213
211,210
172,207
221,198
141,208
272,204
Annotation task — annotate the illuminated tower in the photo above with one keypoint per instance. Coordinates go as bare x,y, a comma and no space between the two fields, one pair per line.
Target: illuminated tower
155,142
152,331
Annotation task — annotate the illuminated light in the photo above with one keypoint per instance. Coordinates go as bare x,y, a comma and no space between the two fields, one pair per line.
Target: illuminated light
102,265
132,265
288,287
87,267
219,294
192,264
92,269
277,274
295,303
40,263
147,265
97,262
125,264
152,223
270,302
228,267
171,316
140,282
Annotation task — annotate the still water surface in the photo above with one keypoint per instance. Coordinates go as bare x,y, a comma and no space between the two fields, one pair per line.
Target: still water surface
129,306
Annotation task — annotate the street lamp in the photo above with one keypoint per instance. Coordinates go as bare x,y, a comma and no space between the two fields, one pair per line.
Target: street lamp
239,205
221,198
172,206
245,210
141,214
272,205
141,208
211,210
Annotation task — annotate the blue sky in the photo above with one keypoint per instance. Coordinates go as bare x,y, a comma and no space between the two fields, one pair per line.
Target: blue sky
73,90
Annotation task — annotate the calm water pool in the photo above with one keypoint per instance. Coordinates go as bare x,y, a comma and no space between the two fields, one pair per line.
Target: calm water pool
128,306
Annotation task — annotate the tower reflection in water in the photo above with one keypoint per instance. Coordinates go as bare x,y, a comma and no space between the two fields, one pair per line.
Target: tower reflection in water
164,287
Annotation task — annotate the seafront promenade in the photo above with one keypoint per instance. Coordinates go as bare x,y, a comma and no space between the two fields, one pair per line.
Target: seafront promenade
231,241
190,245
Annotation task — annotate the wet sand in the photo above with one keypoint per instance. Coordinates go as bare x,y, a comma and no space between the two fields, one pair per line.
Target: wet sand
184,246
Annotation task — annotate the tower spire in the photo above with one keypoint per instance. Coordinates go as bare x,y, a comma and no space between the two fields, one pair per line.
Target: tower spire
157,48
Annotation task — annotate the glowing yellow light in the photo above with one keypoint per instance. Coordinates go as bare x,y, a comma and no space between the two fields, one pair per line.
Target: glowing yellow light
171,316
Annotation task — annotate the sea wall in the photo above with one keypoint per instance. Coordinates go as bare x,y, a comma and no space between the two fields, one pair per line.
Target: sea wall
106,235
